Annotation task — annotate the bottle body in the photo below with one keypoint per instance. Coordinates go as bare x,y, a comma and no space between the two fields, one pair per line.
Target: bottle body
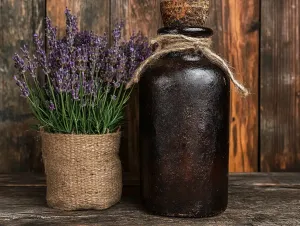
184,136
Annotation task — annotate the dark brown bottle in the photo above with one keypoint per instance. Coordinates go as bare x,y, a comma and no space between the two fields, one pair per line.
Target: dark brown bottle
184,133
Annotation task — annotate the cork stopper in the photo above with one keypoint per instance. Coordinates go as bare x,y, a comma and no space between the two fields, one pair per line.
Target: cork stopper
184,13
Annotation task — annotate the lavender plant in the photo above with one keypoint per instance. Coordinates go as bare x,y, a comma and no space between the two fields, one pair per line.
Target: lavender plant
85,78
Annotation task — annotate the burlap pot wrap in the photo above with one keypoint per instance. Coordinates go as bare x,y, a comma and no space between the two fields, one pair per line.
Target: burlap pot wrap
82,171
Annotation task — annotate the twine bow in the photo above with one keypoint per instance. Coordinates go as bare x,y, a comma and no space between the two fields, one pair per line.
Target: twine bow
179,43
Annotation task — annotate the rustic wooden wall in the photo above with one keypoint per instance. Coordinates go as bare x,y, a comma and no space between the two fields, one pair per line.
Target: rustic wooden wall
275,85
19,20
236,38
280,85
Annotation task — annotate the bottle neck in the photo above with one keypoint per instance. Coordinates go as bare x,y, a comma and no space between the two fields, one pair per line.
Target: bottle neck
194,32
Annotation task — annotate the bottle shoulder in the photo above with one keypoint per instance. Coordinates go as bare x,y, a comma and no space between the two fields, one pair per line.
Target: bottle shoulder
183,61
188,66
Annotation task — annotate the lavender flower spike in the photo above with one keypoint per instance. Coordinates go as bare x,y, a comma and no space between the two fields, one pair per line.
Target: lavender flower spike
23,87
51,106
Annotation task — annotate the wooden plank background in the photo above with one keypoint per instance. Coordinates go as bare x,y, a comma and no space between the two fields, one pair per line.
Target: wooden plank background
280,85
236,38
275,85
19,20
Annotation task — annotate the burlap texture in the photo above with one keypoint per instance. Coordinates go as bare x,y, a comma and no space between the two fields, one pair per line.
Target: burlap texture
82,171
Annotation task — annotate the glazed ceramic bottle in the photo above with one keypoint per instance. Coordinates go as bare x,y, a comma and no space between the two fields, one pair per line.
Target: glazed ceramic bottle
184,132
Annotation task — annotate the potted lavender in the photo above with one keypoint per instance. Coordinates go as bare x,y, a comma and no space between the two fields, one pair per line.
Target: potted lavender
79,107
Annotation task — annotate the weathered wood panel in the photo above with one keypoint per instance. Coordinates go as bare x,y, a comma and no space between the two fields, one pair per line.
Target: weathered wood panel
280,85
236,38
144,16
236,25
92,15
254,199
19,20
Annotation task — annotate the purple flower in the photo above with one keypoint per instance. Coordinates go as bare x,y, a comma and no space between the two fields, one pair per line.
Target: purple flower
23,87
117,32
71,28
19,64
25,52
51,106
81,63
82,70
40,54
75,93
51,34
62,80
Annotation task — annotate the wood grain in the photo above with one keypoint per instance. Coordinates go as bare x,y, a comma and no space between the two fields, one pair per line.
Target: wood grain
236,27
92,15
254,199
19,20
280,85
144,16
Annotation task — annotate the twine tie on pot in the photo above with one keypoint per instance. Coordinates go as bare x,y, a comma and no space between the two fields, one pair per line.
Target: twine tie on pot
180,43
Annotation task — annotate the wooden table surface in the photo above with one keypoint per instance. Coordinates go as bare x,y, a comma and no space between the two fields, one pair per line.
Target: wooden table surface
254,199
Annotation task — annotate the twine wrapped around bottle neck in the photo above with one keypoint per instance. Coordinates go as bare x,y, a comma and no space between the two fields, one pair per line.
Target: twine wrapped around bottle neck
178,43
